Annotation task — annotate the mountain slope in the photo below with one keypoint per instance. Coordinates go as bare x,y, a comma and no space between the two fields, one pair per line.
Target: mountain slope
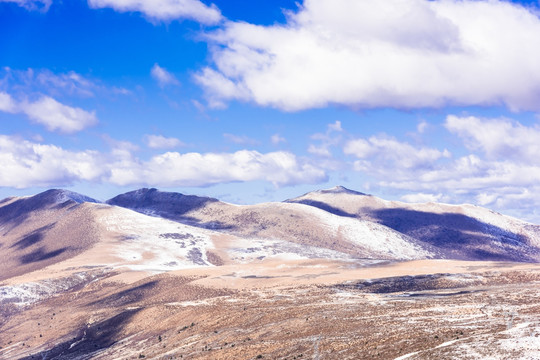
169,205
279,228
41,230
458,231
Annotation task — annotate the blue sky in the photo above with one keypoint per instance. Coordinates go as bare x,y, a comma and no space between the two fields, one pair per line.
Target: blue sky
253,101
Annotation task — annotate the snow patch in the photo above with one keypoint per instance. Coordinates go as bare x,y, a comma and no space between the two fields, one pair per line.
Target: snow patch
156,244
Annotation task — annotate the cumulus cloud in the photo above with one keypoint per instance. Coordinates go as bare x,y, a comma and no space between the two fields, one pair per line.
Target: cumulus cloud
30,164
399,53
39,5
162,142
164,10
501,170
382,152
497,138
46,111
56,116
163,77
195,169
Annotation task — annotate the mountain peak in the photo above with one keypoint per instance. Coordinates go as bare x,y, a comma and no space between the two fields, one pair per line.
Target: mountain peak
170,205
339,190
50,199
60,196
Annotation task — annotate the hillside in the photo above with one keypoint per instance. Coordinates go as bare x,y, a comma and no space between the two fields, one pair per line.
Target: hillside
459,231
152,274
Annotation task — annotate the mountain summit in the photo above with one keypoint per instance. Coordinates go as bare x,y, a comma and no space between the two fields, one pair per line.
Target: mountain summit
169,205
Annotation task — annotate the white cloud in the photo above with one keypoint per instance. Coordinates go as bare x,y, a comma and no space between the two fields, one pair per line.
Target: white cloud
277,139
220,88
422,198
501,171
58,117
71,82
320,150
380,152
240,139
55,84
163,77
162,142
47,111
164,10
399,53
498,138
195,169
335,127
29,164
326,140
7,104
422,127
39,5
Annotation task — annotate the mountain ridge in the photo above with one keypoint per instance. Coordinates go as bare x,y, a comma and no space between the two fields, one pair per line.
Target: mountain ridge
334,221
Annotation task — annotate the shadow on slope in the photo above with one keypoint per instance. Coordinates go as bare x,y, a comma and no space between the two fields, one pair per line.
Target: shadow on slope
19,210
32,237
89,339
40,255
168,205
128,296
460,236
323,206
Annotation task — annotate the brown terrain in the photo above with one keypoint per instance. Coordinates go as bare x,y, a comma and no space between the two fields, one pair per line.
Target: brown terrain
201,279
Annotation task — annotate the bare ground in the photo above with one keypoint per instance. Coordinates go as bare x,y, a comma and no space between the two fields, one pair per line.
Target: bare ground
298,309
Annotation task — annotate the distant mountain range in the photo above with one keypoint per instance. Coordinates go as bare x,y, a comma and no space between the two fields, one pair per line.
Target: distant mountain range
177,231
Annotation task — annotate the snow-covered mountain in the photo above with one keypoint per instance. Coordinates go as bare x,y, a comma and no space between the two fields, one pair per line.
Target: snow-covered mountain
169,205
161,231
458,231
160,274
43,229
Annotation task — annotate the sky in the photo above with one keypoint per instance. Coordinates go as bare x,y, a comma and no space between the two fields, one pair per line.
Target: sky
262,100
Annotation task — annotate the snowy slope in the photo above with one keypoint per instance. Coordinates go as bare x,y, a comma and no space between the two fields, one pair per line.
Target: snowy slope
459,231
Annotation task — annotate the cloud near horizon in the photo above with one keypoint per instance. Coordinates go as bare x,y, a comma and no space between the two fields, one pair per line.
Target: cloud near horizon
501,170
369,54
30,164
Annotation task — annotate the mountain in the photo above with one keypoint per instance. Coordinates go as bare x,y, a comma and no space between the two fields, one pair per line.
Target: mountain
169,205
335,223
280,228
40,230
352,224
152,274
459,231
